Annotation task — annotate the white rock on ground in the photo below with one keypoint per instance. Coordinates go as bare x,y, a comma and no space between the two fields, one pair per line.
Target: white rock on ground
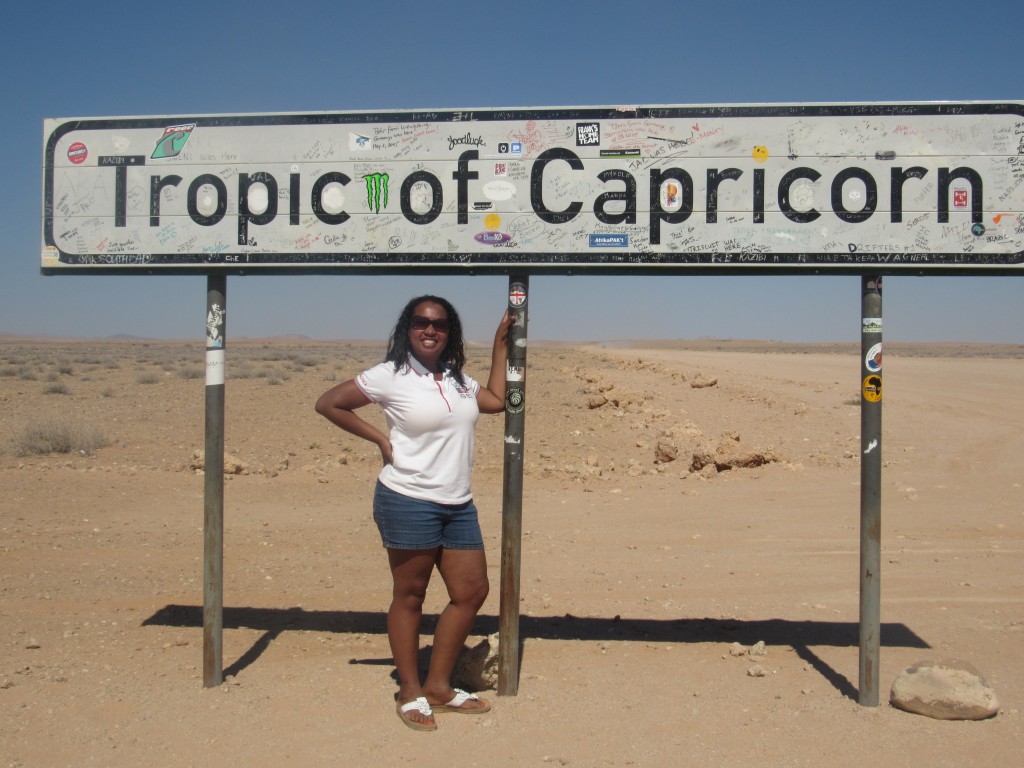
949,689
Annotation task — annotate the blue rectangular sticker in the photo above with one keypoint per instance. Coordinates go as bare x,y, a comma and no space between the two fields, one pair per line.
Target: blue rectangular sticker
609,241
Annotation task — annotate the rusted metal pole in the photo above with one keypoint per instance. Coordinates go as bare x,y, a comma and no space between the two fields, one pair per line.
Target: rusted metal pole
213,490
870,489
512,491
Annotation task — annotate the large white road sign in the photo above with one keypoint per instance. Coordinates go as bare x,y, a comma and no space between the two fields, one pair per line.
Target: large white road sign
870,188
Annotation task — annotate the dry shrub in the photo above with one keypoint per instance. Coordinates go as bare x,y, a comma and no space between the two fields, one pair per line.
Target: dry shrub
59,435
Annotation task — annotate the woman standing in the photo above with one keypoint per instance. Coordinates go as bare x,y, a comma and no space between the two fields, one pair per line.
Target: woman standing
422,502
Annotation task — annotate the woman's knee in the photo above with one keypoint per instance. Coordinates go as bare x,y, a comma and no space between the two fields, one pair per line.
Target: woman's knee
410,574
483,591
470,591
465,576
410,594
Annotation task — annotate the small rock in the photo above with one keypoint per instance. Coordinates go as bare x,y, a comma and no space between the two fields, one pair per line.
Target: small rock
665,452
702,457
477,667
235,466
756,670
709,471
232,464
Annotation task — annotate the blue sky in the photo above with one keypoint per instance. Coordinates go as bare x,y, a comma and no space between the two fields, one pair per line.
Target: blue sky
63,59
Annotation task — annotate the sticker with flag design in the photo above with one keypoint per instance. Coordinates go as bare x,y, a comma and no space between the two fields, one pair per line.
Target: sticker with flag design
517,295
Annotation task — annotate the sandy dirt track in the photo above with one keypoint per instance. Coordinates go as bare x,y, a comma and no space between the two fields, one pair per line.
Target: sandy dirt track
639,573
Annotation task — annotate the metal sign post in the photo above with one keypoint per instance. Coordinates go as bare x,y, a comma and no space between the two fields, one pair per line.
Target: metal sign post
512,490
870,488
213,486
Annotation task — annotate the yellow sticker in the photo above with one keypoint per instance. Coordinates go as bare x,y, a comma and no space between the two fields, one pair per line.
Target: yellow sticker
492,221
760,153
873,388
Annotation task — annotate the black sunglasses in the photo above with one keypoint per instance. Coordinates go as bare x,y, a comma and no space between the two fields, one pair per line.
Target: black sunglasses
421,323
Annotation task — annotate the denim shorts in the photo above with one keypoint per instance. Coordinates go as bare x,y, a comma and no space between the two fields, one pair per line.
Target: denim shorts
408,523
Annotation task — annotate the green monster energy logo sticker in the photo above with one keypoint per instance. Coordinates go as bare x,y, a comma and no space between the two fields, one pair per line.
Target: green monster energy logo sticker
376,191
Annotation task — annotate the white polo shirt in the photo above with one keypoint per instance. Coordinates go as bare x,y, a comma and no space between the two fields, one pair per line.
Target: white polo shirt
431,425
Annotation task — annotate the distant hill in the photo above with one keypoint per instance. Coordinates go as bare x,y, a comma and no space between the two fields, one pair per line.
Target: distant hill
281,337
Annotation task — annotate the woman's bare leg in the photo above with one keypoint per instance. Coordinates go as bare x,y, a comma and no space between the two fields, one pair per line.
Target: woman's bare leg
410,571
465,575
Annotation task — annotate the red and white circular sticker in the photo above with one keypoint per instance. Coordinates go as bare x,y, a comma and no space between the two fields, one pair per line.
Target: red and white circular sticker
77,153
517,294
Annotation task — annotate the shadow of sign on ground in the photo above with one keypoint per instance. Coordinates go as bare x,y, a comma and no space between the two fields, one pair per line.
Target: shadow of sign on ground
802,636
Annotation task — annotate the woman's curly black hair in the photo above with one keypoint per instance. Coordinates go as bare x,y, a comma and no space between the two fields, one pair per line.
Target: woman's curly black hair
454,354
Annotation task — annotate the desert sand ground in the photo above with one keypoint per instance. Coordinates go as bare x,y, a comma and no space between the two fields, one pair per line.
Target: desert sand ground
639,574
